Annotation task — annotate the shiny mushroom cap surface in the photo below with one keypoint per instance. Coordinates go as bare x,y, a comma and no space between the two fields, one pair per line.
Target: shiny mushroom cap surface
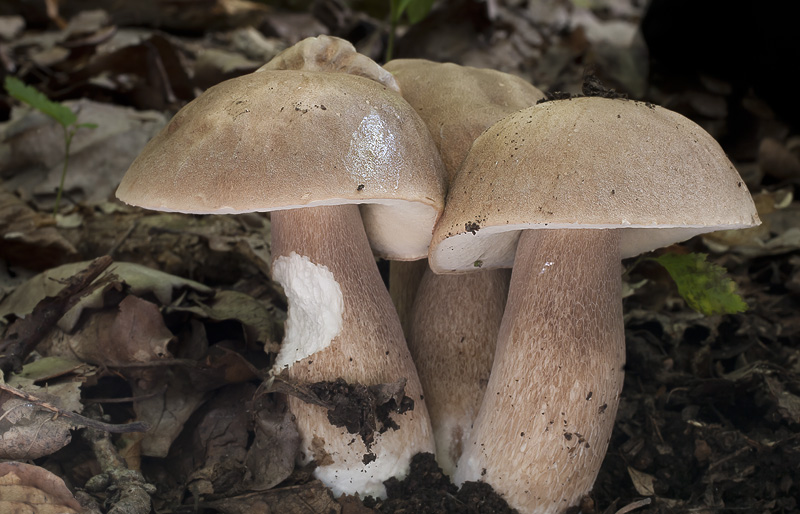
284,139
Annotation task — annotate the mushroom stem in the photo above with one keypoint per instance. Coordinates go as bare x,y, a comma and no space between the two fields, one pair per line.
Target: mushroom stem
546,419
329,246
454,324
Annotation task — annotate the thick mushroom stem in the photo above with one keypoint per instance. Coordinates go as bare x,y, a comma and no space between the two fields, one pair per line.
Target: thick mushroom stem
339,304
454,324
546,419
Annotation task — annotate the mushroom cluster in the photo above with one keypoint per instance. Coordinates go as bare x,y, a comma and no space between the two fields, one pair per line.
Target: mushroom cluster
349,169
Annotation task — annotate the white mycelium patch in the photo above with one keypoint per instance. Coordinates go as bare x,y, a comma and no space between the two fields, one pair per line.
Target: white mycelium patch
315,307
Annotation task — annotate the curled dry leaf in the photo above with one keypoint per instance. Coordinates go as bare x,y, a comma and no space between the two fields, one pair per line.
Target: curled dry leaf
642,481
141,280
31,489
259,324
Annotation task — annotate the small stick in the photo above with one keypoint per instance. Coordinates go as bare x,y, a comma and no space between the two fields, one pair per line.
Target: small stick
633,506
75,418
24,334
128,492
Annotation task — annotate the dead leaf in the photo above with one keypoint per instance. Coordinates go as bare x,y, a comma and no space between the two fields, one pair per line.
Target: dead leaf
311,498
165,401
30,489
259,324
133,333
788,404
209,456
32,150
271,457
141,280
49,368
28,431
29,238
642,481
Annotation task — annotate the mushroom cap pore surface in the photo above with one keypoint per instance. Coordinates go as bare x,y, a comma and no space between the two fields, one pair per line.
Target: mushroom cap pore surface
588,163
288,139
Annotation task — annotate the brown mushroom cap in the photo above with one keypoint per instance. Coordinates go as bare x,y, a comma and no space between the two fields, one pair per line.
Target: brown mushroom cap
588,163
287,139
443,92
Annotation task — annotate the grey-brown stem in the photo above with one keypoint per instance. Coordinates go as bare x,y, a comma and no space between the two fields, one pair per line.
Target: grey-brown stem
369,349
544,425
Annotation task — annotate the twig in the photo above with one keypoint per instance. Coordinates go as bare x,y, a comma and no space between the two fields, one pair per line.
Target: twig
24,334
131,494
75,418
633,506
122,239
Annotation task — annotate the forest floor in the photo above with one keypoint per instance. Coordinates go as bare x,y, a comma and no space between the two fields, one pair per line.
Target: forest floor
709,419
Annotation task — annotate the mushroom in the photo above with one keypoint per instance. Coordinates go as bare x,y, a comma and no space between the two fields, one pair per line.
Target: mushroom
455,319
348,169
562,191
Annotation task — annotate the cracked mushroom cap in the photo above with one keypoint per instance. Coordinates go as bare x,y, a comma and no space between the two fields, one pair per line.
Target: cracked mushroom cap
285,139
592,163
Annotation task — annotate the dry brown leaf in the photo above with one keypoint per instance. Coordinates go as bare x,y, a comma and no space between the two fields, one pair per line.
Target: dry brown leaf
28,431
271,457
30,489
258,323
133,333
209,456
311,498
165,401
141,280
32,150
29,238
643,482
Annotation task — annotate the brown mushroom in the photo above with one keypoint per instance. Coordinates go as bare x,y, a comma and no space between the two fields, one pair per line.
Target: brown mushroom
562,191
455,319
324,150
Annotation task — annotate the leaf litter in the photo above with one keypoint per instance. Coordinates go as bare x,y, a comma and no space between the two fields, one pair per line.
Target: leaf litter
709,412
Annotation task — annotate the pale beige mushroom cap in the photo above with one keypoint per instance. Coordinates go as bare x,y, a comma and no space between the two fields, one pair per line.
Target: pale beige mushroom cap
288,139
476,97
591,163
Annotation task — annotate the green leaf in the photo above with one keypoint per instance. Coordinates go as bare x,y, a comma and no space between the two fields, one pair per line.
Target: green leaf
418,9
36,99
705,286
